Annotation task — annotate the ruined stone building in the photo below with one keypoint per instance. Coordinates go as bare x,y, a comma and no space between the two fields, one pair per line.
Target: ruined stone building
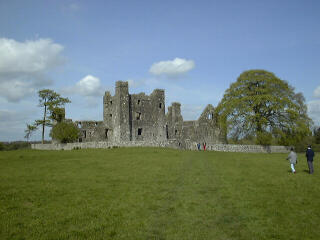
140,117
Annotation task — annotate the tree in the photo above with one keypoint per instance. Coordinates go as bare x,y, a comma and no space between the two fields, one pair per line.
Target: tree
49,100
260,104
30,129
65,132
317,135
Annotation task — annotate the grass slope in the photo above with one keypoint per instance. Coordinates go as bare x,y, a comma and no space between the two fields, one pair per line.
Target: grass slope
150,193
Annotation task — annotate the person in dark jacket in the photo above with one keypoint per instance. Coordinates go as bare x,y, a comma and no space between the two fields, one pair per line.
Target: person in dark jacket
309,156
198,145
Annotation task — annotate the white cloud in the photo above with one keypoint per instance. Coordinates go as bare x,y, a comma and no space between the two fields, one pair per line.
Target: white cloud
16,89
9,116
23,66
174,67
13,123
89,86
316,92
29,56
71,7
314,111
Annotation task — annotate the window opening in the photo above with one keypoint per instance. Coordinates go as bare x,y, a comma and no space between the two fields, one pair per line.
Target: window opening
175,132
106,133
160,105
167,131
138,116
139,131
139,102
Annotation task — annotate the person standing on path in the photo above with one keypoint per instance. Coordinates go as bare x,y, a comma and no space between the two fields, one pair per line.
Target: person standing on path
293,160
309,156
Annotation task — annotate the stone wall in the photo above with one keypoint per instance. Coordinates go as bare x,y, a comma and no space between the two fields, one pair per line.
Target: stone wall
170,144
91,131
240,148
148,116
205,129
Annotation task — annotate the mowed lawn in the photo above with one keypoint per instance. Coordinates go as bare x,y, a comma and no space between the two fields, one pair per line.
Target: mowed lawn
154,193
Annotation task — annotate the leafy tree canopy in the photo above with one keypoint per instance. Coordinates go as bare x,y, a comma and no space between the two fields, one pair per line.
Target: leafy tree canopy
260,104
51,103
317,135
30,129
65,132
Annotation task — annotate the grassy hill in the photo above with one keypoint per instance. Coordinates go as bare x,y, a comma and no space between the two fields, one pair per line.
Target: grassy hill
152,193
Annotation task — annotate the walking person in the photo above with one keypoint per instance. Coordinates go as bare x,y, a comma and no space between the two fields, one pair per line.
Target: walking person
198,145
309,156
293,158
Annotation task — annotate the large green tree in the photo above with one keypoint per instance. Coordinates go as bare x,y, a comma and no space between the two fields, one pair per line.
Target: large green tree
261,105
317,135
65,132
49,100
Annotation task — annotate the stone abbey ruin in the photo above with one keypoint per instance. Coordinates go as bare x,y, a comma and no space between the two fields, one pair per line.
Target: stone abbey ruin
136,120
142,118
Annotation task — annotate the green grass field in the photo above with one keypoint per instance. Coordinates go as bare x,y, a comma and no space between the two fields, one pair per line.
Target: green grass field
152,193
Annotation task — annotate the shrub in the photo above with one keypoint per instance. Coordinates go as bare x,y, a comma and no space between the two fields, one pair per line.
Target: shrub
317,135
264,138
8,146
65,132
302,145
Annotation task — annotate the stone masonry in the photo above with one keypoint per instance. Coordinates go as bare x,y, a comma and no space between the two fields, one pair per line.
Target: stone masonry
167,144
140,117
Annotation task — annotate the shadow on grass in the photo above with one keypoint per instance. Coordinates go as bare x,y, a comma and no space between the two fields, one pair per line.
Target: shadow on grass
304,171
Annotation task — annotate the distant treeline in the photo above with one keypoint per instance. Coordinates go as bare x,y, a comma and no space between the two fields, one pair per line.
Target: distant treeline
299,146
8,146
303,148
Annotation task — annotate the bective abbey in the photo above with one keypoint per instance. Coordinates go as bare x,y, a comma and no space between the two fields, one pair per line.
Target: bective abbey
142,118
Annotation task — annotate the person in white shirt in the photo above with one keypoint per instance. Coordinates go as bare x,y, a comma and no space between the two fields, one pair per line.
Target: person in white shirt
293,158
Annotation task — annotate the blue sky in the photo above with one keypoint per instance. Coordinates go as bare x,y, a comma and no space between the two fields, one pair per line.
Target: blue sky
192,49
